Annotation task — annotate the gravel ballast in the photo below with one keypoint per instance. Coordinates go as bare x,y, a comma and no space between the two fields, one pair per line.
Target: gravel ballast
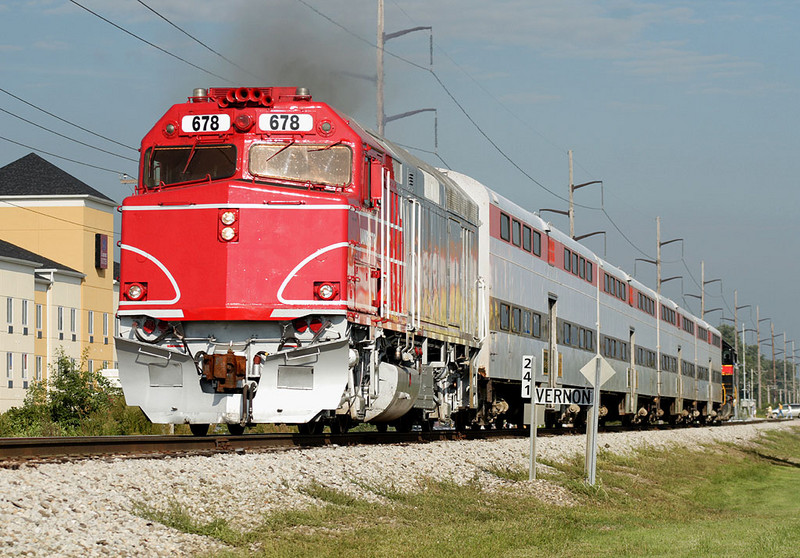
85,508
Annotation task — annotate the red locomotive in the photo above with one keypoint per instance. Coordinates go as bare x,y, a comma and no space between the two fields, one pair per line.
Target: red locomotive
278,263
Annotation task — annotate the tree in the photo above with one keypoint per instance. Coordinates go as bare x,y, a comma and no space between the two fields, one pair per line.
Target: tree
63,405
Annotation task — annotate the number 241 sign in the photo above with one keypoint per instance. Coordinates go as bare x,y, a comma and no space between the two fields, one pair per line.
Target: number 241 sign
528,364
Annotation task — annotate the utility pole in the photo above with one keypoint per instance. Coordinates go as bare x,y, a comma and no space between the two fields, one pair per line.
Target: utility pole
571,200
736,351
774,374
794,377
381,113
381,44
758,345
702,289
571,211
785,384
744,364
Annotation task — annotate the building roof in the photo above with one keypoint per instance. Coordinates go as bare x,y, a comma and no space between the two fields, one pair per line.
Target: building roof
8,250
33,176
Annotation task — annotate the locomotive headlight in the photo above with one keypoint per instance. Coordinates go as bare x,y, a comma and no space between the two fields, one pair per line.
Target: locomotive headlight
228,217
326,290
227,233
135,291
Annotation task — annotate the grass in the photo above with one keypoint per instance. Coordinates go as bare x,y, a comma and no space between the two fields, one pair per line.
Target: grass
720,501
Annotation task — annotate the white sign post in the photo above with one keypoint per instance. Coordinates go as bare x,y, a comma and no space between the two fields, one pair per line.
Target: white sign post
528,362
553,396
597,371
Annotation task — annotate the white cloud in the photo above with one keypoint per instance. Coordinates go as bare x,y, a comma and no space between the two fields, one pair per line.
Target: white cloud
620,32
51,45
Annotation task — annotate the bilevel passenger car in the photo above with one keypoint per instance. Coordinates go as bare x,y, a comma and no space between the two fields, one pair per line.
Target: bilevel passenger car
281,264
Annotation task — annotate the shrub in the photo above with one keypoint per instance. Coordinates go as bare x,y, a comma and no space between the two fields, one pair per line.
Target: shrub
74,402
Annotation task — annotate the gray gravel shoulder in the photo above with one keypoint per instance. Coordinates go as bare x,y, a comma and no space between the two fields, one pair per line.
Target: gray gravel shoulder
86,508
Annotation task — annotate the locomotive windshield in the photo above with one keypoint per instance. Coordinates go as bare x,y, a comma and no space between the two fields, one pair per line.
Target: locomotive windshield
318,164
185,163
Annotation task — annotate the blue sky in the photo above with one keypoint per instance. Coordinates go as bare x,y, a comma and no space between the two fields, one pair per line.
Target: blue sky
685,110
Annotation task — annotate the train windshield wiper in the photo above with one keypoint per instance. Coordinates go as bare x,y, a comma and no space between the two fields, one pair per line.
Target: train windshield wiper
279,151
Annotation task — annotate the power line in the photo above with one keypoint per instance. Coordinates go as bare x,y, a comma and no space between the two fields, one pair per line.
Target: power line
48,215
473,122
60,157
20,99
449,94
198,41
428,151
66,137
515,115
155,46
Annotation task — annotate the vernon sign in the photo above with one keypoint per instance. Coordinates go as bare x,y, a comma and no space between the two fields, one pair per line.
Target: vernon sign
563,396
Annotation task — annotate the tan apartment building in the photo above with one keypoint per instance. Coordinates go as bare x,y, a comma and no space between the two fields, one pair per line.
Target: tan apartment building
37,296
55,216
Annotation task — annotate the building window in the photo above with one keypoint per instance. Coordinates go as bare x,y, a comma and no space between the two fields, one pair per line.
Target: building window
60,318
105,324
24,366
73,320
91,322
90,364
24,312
38,316
10,310
38,369
105,365
10,366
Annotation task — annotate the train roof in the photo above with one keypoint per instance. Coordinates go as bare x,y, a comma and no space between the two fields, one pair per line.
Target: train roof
534,219
456,199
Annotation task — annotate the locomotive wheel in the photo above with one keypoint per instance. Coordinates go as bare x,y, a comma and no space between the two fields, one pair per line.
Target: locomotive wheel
236,429
340,424
403,426
199,429
310,428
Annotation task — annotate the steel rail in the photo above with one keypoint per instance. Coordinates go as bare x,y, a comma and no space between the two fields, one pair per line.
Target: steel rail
15,449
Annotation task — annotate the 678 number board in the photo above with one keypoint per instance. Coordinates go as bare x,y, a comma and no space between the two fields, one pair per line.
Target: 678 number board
282,122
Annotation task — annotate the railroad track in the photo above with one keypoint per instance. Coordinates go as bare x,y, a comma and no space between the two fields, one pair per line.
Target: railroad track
16,451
